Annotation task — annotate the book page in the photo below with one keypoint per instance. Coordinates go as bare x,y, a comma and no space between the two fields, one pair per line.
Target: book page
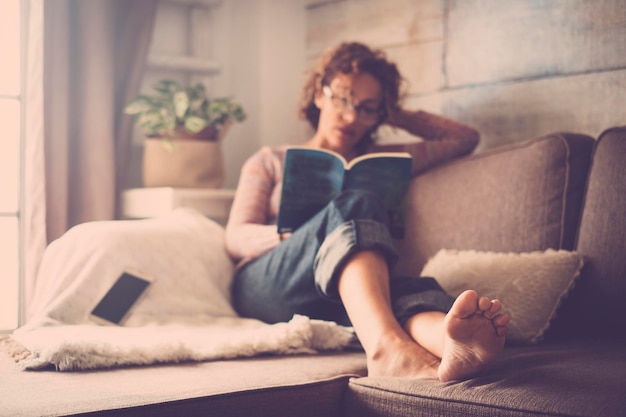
311,179
388,177
375,155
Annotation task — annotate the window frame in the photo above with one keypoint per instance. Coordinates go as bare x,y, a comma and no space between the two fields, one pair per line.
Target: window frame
21,310
18,214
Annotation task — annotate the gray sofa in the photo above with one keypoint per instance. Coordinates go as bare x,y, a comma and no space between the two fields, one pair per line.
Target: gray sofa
563,191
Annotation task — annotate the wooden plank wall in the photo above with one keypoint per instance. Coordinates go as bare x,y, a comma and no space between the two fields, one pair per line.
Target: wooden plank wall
514,69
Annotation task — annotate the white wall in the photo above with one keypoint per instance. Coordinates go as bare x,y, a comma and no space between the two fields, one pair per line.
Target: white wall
266,61
282,65
242,66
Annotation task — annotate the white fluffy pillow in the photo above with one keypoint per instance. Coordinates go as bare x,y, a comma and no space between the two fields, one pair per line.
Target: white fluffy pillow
529,285
183,251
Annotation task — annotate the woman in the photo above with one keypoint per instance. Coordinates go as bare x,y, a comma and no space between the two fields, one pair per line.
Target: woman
337,266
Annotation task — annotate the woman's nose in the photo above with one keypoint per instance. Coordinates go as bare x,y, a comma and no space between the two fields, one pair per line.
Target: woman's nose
349,115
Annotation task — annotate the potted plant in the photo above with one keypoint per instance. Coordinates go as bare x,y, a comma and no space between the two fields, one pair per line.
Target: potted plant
183,129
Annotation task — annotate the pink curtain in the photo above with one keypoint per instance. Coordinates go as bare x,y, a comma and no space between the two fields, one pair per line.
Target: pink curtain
94,56
85,61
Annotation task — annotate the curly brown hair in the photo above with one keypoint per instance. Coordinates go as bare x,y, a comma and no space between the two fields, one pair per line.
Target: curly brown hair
352,58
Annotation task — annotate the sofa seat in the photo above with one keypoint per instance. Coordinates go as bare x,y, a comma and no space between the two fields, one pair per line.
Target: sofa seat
581,378
304,385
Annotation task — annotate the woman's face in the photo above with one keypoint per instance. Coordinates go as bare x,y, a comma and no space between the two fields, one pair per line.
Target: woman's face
349,108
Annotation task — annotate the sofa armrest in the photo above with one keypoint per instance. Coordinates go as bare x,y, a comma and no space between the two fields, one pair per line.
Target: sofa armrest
597,307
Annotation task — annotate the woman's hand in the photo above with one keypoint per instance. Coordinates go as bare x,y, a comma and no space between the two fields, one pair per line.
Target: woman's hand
284,236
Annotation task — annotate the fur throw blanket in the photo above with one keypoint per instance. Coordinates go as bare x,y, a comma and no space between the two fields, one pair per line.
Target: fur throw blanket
184,315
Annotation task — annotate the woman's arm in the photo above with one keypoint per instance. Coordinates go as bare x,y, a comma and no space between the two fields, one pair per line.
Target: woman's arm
444,139
248,234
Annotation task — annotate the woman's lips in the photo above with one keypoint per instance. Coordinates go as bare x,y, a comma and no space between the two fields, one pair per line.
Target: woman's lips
345,131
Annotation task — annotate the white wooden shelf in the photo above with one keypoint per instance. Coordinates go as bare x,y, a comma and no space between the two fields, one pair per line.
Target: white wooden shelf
139,203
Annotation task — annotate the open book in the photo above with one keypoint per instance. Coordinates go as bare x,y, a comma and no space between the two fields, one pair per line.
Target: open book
312,177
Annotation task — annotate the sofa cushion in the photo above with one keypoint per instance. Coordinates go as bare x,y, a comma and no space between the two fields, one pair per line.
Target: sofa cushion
306,385
530,285
517,198
596,307
566,379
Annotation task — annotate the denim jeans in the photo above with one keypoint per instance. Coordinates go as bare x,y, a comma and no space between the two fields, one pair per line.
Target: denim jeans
300,275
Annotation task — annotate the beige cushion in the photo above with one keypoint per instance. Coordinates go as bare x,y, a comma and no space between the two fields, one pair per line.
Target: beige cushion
529,285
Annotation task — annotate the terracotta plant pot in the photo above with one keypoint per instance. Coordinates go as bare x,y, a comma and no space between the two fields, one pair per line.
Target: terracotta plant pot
187,163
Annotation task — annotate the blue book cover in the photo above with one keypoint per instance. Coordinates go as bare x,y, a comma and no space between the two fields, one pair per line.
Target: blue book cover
312,177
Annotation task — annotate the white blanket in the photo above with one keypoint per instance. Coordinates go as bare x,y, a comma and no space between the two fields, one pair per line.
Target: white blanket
185,314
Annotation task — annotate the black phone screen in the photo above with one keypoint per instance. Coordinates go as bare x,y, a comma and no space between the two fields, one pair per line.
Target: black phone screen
120,298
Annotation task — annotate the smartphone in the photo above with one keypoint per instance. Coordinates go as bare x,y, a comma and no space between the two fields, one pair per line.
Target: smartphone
121,297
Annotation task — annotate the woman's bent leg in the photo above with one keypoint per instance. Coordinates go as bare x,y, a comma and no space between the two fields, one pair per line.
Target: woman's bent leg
284,281
451,346
364,290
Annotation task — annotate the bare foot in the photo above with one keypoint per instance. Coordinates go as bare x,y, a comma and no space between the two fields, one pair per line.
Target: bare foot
402,357
474,335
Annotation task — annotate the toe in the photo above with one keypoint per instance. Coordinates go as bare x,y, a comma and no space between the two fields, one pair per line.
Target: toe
501,330
484,305
465,305
501,320
494,309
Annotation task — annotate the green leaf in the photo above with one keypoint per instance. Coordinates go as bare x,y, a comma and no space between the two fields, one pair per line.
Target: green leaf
196,104
168,144
151,122
195,124
217,107
168,119
239,114
167,87
199,87
197,92
139,104
181,104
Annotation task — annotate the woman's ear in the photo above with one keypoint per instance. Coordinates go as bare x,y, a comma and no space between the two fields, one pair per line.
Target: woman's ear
318,99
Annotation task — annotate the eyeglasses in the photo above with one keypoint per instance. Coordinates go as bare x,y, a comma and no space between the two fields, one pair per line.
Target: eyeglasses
366,114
